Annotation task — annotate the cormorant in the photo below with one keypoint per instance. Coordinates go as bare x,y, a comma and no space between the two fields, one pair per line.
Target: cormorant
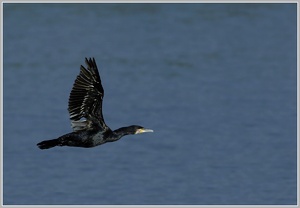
85,109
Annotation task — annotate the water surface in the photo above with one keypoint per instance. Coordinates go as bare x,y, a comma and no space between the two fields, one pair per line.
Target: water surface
216,82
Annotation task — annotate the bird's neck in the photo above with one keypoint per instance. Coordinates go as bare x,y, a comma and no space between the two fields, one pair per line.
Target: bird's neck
118,133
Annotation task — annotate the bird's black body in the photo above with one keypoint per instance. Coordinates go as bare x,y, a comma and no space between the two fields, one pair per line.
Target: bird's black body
85,108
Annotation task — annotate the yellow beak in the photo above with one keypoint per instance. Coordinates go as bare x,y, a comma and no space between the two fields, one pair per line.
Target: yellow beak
139,131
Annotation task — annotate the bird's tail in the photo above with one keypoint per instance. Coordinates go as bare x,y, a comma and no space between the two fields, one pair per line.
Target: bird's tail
49,143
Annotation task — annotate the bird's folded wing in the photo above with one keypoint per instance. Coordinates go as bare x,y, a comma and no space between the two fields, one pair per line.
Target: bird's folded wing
85,101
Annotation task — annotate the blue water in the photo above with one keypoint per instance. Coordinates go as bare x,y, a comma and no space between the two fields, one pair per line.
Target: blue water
216,82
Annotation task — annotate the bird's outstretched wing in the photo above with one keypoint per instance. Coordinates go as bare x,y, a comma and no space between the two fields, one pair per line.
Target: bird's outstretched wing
85,101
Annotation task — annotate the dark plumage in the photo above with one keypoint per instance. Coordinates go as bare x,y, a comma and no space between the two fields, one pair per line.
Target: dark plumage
85,109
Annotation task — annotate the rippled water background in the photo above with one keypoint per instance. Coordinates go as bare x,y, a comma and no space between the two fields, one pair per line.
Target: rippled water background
216,82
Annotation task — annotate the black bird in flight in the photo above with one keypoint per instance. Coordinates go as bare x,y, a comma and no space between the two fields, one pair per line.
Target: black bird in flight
85,109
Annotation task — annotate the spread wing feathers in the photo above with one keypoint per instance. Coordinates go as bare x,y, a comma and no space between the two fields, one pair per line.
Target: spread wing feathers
85,100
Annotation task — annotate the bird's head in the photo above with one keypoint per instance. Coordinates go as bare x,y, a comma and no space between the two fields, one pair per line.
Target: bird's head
135,129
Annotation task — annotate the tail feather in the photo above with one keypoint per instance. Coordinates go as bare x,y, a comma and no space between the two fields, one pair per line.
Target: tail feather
48,144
